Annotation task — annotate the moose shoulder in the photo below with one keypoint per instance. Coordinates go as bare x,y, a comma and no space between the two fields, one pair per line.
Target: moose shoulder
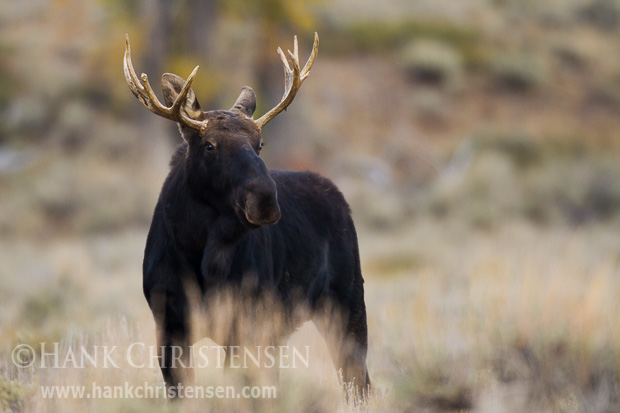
223,221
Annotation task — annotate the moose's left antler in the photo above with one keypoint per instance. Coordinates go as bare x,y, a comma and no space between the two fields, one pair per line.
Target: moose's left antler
293,78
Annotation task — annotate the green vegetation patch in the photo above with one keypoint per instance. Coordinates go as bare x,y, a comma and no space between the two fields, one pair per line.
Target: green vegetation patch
379,36
13,395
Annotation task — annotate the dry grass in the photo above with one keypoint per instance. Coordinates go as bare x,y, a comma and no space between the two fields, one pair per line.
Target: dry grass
519,321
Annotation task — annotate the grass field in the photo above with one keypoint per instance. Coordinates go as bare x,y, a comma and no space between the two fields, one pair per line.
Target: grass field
521,320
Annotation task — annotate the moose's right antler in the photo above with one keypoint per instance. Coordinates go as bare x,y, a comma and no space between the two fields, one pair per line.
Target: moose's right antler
293,78
143,91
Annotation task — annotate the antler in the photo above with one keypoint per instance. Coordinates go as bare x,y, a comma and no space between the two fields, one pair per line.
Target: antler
293,78
144,92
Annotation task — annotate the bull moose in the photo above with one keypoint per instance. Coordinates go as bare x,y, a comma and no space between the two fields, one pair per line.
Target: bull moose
223,220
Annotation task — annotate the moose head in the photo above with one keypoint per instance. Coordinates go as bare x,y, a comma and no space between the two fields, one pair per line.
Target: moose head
223,146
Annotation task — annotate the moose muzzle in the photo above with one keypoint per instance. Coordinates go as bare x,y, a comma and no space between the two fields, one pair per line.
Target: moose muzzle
260,204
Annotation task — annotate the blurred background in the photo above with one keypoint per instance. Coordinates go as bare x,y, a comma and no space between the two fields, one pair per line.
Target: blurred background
477,141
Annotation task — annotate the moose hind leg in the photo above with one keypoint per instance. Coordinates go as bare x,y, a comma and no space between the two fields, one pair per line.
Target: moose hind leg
345,331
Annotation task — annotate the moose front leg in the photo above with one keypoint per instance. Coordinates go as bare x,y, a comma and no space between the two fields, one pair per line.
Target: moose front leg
173,343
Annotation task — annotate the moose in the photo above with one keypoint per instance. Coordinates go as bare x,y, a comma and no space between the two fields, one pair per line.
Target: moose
224,221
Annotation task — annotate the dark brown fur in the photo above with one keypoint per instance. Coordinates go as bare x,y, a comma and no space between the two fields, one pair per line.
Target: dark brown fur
222,218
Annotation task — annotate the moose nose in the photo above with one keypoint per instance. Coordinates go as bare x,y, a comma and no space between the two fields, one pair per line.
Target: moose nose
261,203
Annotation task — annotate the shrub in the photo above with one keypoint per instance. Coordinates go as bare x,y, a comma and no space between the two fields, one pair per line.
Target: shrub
518,72
603,14
497,178
432,62
13,395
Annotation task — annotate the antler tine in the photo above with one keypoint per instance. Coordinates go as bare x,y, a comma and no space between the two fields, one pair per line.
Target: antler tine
130,73
287,72
293,78
315,51
141,88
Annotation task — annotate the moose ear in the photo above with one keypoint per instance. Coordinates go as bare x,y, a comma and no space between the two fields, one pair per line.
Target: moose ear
171,86
246,102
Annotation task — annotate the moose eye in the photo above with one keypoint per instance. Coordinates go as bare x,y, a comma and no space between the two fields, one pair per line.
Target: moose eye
209,146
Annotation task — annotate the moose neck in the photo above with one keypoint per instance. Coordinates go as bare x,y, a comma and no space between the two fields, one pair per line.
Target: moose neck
213,210
208,234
